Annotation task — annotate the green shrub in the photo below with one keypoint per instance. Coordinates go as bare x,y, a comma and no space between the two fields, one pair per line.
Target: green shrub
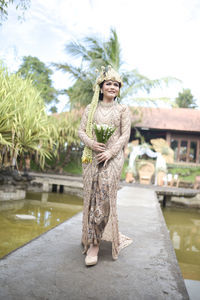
186,172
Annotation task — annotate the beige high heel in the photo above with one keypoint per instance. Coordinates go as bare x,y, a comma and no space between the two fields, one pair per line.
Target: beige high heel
91,260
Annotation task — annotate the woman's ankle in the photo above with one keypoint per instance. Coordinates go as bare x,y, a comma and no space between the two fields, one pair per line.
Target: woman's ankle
93,250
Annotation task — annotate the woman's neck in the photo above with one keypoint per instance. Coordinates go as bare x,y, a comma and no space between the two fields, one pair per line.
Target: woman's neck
106,104
108,100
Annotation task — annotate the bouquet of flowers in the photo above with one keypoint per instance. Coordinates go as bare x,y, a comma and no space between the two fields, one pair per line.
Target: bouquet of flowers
103,132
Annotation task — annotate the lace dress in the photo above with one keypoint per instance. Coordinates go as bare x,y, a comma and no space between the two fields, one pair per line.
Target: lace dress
101,184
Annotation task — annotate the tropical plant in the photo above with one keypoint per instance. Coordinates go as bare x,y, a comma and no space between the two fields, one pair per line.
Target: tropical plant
94,53
26,129
23,121
64,132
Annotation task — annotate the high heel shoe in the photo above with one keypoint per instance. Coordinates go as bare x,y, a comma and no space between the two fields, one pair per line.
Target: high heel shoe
91,260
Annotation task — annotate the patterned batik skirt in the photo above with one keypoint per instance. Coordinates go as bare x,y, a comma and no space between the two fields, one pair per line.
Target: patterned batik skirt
99,206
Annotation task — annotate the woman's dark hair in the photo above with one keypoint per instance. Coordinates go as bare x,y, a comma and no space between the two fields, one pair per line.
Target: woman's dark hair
101,95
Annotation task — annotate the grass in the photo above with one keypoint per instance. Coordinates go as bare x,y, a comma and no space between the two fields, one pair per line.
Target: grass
73,167
187,173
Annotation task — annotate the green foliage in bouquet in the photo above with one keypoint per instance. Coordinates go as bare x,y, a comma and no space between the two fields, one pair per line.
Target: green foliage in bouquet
103,132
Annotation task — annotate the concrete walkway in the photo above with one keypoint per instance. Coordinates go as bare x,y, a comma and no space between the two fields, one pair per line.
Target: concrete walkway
52,266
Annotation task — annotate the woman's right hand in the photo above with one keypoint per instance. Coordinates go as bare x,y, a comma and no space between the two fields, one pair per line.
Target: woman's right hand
98,147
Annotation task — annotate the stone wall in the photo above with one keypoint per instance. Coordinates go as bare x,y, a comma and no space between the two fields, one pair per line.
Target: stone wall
6,195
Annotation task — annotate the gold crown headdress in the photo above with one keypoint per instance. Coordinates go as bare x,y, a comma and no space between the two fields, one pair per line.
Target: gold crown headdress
106,74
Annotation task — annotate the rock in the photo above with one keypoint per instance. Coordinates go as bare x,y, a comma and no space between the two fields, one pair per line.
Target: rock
27,177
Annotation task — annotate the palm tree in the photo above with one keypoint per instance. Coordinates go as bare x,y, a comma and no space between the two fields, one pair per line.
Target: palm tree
94,53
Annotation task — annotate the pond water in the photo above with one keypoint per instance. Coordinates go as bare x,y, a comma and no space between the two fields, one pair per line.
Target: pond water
47,211
184,227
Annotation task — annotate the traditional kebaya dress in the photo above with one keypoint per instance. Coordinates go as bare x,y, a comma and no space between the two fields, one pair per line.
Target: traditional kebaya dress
100,220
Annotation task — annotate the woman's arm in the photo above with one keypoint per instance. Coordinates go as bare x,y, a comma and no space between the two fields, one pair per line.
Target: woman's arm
125,132
82,129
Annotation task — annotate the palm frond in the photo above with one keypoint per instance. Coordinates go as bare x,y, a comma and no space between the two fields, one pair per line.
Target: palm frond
95,52
76,49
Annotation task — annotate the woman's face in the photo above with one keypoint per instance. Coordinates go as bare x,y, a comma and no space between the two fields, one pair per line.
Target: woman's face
110,89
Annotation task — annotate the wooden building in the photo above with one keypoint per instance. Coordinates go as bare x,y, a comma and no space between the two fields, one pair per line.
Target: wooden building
180,127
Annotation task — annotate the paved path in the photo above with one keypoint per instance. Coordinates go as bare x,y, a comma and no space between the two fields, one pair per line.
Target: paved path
52,266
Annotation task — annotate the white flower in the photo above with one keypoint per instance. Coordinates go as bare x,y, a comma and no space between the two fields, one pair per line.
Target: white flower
98,127
104,126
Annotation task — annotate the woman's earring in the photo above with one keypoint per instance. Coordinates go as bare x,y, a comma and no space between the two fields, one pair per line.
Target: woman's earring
117,99
101,92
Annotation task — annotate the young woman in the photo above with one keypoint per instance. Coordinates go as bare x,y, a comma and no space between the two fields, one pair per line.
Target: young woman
102,166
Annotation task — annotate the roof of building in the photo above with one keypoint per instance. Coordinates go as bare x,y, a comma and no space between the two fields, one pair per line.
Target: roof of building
179,119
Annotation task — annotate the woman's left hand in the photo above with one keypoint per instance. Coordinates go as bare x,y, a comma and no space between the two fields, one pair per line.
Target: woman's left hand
104,156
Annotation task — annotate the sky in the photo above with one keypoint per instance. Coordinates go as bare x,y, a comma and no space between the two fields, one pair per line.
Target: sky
159,38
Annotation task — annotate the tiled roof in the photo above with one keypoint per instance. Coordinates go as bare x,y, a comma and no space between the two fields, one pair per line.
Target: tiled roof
180,119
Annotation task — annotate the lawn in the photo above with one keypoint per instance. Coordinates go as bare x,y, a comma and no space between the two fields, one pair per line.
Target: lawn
187,173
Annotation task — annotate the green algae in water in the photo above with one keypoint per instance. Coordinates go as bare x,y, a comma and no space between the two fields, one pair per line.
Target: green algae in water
49,210
184,227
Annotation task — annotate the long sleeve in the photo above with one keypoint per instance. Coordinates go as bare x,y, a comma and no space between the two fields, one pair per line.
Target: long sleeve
82,129
125,127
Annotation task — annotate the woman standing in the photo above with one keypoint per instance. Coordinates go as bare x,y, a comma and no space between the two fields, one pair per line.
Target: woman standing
102,166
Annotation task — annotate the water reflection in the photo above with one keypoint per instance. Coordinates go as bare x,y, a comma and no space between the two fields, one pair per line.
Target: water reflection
48,209
184,227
